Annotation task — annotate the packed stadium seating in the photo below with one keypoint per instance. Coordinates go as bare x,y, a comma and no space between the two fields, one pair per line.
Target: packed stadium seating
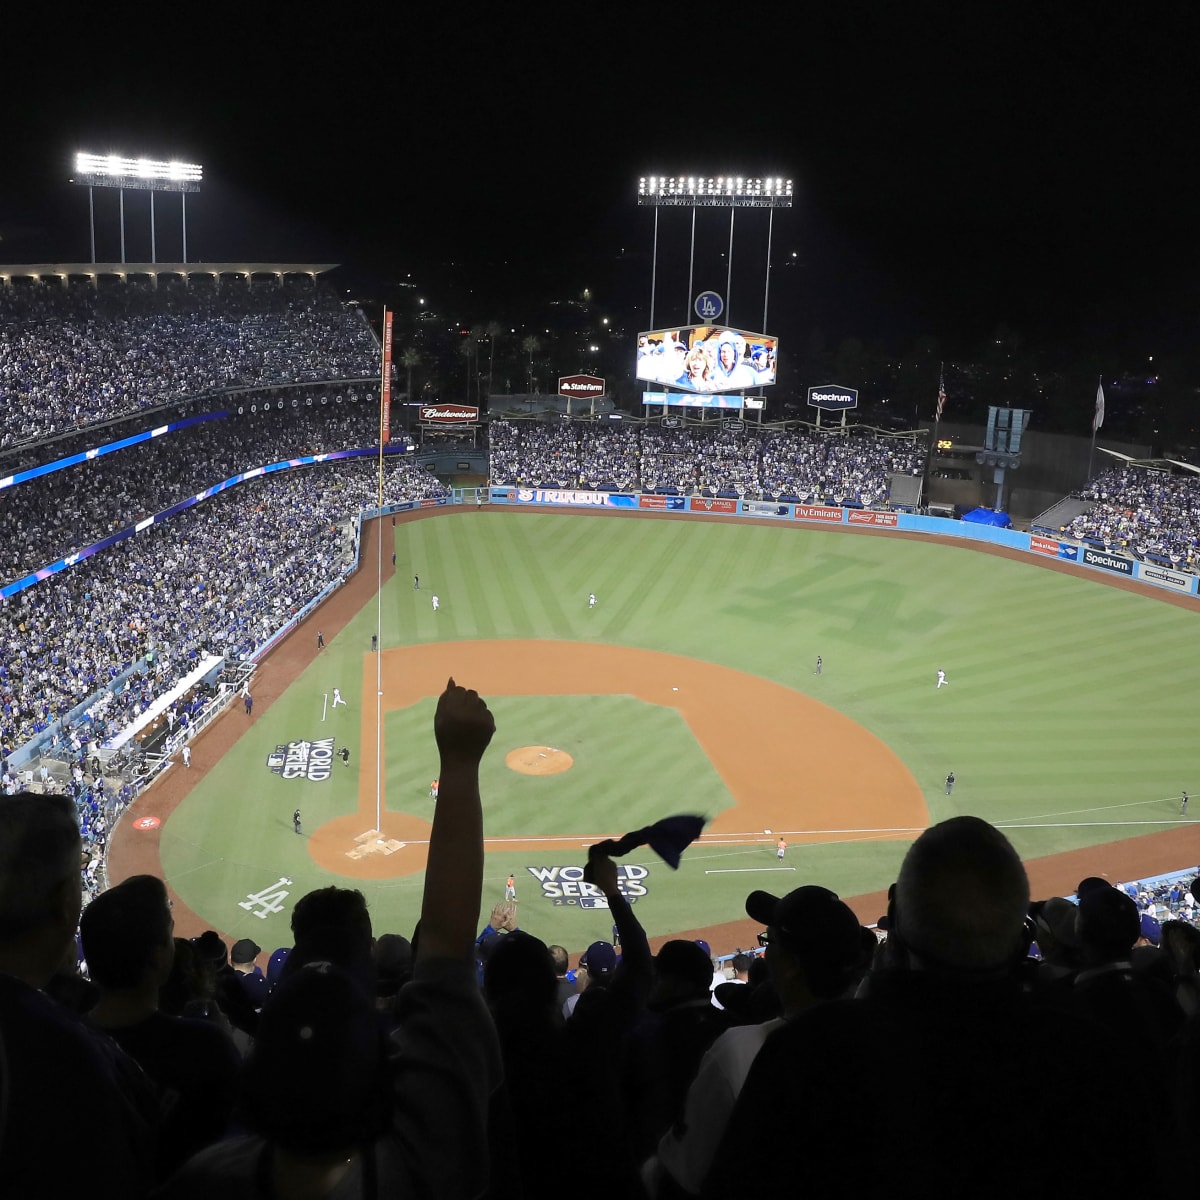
1154,513
833,467
74,354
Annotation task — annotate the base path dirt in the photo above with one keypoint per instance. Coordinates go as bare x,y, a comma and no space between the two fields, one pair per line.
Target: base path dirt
881,800
855,786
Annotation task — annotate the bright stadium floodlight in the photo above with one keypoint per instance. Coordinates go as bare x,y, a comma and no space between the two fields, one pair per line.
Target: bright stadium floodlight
136,174
723,191
141,174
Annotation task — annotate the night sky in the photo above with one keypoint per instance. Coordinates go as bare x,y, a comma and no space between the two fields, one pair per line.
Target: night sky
957,167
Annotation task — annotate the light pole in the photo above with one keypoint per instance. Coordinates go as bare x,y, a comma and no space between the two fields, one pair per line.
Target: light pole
136,174
698,191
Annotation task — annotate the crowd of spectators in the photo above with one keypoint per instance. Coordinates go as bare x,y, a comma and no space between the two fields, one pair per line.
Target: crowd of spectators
1152,512
432,1061
72,354
807,465
220,577
60,513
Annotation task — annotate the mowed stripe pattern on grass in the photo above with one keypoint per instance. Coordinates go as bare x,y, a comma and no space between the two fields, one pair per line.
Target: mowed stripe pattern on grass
1062,694
1066,704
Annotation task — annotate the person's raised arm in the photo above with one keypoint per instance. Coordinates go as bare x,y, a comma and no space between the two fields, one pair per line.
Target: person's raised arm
463,727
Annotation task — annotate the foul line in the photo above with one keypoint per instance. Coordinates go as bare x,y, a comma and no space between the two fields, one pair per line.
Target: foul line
1071,812
745,870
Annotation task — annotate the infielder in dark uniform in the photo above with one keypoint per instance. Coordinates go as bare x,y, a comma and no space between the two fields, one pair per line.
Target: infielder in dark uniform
296,821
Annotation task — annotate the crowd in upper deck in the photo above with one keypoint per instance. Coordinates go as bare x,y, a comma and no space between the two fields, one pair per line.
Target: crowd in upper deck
74,354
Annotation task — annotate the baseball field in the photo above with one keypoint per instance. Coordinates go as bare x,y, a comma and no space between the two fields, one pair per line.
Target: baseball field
1068,718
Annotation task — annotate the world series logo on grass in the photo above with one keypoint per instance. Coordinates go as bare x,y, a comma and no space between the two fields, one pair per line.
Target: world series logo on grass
565,886
303,760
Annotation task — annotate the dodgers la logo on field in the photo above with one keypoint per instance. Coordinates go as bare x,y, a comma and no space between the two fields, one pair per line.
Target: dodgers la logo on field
269,900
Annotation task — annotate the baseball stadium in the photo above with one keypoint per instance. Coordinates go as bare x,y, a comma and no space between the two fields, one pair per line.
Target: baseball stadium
238,606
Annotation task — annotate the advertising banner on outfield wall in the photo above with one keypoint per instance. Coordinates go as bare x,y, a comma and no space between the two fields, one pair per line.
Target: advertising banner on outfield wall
1053,548
764,508
573,498
673,503
711,504
819,512
868,516
1177,581
1116,563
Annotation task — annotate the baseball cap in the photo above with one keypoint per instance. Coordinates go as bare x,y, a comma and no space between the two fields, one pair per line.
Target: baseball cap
704,946
810,922
245,951
600,958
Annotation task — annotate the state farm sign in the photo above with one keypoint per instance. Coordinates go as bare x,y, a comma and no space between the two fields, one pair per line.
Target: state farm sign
449,414
587,386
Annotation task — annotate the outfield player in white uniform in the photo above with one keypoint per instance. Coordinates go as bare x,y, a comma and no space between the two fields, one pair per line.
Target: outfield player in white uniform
942,679
592,600
435,604
337,699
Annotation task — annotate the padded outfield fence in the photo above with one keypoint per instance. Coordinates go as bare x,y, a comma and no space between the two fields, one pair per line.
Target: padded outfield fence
1127,565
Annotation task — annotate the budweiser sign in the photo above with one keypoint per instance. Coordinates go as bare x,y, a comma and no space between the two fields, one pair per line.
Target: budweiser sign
580,385
449,414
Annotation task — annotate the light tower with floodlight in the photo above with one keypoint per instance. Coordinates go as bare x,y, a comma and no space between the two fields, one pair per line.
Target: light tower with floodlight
136,174
723,191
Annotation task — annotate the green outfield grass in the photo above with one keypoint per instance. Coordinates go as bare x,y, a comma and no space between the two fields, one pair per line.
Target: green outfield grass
1069,719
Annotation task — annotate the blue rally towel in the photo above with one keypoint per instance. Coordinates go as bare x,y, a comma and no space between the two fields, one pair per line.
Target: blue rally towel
668,838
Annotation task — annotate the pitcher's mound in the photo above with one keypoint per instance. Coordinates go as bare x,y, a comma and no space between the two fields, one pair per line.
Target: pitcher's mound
539,760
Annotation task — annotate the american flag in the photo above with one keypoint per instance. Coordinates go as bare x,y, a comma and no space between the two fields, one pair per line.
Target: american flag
941,395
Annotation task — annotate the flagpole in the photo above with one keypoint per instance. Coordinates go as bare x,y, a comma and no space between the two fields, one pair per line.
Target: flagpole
385,421
937,418
1097,421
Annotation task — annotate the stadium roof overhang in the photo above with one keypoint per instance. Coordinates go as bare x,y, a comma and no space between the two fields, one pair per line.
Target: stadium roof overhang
92,270
1158,464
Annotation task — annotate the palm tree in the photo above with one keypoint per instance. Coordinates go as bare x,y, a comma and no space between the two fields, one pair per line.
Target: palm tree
467,349
531,346
492,330
409,359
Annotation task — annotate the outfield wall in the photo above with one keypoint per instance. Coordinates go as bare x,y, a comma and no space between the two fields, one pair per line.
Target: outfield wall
1111,562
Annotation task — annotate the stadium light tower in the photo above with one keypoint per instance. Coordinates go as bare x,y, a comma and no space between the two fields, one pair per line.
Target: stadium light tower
722,191
136,174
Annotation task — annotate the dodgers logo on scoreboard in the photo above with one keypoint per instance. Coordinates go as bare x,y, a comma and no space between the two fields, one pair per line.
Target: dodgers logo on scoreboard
709,306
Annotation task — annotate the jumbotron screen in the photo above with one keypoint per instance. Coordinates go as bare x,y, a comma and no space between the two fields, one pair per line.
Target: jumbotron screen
707,358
